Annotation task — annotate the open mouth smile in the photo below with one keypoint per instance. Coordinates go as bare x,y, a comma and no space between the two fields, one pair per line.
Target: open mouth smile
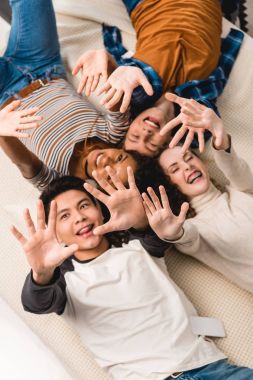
152,122
193,177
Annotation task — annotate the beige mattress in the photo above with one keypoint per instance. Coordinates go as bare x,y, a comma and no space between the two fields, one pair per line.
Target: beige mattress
79,30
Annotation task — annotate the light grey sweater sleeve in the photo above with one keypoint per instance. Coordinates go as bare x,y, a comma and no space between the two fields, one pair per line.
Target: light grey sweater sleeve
236,170
189,243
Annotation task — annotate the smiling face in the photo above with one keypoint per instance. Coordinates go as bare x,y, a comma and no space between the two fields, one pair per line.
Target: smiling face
77,216
144,132
117,159
186,171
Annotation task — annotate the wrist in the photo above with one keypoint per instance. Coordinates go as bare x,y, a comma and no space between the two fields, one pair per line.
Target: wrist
43,278
112,64
141,224
176,236
225,143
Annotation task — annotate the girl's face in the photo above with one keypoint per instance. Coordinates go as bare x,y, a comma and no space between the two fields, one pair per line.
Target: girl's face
186,171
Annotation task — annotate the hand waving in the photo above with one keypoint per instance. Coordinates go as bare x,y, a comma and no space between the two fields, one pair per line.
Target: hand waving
13,123
164,223
94,65
120,85
125,205
195,118
42,249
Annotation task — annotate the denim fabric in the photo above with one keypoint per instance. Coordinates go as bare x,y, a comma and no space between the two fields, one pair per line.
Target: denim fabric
220,370
131,4
33,50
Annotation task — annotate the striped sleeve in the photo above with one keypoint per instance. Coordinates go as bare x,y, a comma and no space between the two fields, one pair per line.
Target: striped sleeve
118,124
67,120
43,178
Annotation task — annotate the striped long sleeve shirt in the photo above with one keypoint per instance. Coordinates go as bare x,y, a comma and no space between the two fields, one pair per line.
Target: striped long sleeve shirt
67,120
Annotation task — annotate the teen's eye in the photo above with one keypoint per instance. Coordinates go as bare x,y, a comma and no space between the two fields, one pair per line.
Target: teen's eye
84,205
174,170
119,158
152,147
188,158
64,216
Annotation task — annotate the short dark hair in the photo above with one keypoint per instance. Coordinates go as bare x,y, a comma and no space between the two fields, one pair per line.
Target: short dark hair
61,185
150,173
66,183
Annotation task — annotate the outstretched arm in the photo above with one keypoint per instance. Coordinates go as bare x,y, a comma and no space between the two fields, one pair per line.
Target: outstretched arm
45,299
12,125
235,169
28,164
195,118
43,290
42,250
169,227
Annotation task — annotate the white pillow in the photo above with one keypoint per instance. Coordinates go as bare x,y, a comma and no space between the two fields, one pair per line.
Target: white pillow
23,355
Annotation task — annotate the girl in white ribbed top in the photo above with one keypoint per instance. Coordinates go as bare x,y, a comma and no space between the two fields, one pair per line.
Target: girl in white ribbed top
223,225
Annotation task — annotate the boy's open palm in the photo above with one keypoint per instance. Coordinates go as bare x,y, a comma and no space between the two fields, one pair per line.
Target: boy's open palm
125,204
43,251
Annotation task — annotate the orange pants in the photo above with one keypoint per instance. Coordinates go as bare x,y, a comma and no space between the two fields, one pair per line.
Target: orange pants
180,39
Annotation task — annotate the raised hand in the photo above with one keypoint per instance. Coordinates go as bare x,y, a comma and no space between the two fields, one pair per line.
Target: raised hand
13,123
94,65
42,249
120,85
195,118
164,223
125,204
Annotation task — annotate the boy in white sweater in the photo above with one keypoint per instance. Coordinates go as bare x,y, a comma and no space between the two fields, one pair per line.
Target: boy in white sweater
127,310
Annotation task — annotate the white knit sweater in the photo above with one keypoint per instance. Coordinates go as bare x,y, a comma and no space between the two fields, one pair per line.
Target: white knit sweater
224,223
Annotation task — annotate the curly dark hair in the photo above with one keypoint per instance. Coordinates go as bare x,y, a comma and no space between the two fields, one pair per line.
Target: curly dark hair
150,173
66,183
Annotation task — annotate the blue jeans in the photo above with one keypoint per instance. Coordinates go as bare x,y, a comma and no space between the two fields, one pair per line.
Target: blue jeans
220,370
33,50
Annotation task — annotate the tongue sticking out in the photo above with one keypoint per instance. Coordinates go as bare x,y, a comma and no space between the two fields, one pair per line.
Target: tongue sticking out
85,230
